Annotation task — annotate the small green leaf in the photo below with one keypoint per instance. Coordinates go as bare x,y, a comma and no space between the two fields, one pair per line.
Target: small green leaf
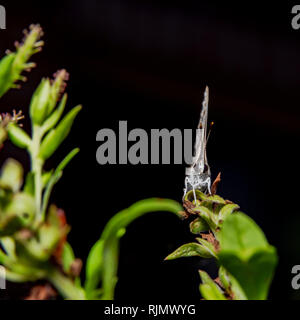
94,265
11,175
56,136
46,177
18,136
55,176
206,215
224,278
227,210
66,160
198,225
216,199
55,116
199,195
5,72
190,250
208,247
67,257
209,289
29,183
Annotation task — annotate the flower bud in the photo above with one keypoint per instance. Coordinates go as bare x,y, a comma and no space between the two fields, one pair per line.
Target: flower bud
56,136
18,136
39,102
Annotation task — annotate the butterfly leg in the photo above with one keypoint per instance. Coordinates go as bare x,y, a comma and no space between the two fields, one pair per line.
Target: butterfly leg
194,193
208,185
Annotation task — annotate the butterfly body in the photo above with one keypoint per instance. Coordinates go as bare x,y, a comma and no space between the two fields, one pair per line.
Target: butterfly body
198,174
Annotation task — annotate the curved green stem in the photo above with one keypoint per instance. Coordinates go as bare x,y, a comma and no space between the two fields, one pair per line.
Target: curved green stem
102,262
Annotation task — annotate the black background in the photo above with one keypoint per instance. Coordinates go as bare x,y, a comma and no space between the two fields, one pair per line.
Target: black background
148,63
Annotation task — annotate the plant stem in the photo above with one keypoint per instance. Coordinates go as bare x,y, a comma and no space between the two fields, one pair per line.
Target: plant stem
36,168
65,286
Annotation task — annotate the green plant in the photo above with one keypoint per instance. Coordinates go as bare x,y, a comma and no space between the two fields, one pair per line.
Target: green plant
33,235
238,245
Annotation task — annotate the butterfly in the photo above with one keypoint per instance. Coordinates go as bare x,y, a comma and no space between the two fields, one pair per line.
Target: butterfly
198,176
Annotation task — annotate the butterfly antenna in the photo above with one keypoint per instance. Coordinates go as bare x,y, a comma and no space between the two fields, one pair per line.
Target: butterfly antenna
210,129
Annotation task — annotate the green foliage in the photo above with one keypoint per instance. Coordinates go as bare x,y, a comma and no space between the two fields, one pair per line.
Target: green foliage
247,262
32,240
246,254
193,249
209,289
33,234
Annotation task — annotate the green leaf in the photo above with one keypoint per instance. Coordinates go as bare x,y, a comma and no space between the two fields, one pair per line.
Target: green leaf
67,257
209,289
29,183
208,247
5,72
55,177
55,116
56,136
227,210
224,278
94,266
11,175
247,256
66,160
199,195
46,176
198,225
189,250
207,215
242,235
18,136
215,199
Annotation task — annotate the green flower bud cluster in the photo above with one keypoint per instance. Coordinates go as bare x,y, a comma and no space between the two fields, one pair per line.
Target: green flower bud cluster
14,63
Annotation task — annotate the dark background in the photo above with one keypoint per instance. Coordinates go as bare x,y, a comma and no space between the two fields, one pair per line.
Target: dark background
148,63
